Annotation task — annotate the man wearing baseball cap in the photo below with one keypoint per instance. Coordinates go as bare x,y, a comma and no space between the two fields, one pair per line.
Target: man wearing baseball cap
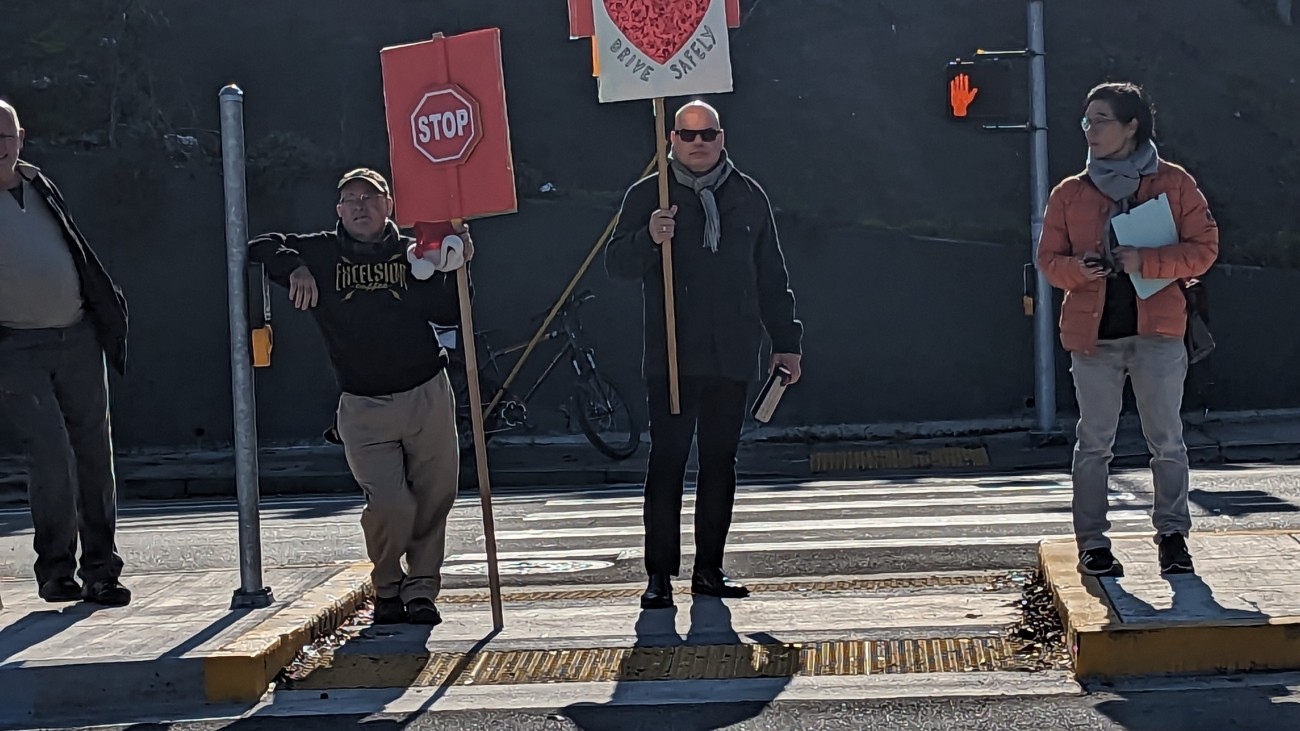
396,416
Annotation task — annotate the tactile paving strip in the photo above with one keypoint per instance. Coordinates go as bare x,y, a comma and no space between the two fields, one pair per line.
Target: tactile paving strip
691,662
851,460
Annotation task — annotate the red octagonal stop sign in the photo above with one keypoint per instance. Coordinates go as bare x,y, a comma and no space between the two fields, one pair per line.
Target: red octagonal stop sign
446,125
448,132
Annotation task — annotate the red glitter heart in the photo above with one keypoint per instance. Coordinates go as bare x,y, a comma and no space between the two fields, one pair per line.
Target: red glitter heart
658,28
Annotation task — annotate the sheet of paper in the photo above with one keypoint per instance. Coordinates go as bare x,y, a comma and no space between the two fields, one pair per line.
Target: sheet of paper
1149,226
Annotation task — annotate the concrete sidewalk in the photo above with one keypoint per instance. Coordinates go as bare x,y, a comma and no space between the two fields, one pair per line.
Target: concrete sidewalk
800,453
1239,612
177,645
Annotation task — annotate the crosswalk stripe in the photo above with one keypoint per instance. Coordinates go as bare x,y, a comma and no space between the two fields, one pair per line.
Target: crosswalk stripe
847,544
900,521
818,490
789,507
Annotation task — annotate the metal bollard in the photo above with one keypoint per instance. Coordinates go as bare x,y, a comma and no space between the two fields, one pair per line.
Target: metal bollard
251,593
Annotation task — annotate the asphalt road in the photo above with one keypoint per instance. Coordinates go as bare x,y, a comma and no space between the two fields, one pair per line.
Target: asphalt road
813,528
1267,708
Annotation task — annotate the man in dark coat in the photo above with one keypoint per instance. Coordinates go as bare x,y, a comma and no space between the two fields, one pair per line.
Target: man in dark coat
61,318
730,284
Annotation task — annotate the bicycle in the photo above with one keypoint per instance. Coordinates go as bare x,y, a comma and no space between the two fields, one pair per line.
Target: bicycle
603,415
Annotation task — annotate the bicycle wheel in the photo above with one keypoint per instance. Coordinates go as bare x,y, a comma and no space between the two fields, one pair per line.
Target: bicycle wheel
605,417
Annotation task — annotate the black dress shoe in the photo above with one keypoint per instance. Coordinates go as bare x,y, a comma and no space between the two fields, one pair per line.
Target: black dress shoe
713,582
65,589
658,592
109,593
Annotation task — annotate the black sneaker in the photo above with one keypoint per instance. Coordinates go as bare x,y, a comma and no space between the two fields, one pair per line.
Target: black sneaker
65,589
389,611
1099,562
1174,557
423,611
109,593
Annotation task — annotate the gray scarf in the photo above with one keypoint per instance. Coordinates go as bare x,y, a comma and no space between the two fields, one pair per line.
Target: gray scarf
1119,179
704,186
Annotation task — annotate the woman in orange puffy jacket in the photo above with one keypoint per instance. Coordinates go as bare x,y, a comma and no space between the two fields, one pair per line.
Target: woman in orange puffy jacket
1112,333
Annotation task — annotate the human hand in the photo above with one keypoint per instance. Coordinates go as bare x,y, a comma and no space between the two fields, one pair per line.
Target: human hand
302,288
1092,268
790,362
1129,259
662,225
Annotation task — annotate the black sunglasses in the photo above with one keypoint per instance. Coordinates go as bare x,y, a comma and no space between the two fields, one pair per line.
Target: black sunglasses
689,135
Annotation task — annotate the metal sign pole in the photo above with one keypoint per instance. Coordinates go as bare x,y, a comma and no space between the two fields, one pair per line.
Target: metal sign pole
251,593
1044,329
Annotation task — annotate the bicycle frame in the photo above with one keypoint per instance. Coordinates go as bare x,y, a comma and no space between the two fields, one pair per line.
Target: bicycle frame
569,348
564,350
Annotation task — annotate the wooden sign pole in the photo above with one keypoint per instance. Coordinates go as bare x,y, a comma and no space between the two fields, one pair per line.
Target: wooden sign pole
666,249
480,442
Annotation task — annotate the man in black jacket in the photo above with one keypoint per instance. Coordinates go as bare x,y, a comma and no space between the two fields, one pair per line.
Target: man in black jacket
730,284
396,415
60,317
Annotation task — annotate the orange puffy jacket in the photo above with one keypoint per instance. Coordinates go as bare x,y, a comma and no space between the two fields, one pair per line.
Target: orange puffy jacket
1074,225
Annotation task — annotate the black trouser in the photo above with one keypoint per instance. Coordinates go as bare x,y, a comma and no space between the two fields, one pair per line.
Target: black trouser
717,407
54,391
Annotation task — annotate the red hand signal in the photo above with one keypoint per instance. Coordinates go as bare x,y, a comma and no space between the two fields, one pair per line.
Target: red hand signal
961,94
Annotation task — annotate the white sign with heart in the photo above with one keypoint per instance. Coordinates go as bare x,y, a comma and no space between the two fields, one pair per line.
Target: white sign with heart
661,48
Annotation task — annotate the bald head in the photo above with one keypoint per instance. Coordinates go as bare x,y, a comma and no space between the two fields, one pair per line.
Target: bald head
11,144
697,115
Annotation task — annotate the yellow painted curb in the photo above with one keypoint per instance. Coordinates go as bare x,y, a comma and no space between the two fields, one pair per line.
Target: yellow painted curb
1103,646
242,670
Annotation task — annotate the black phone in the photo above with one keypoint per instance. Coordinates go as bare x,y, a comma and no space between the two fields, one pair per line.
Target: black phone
1098,262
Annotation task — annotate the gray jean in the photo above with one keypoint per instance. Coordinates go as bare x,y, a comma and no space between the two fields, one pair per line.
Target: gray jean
54,391
1157,367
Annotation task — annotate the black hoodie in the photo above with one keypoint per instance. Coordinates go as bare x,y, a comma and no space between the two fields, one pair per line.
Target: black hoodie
375,316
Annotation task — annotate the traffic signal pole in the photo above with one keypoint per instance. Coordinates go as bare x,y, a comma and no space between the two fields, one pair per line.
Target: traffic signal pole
1044,327
1044,331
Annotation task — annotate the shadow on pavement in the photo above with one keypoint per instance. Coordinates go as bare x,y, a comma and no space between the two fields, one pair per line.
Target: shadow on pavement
1235,709
38,627
1200,709
640,677
1192,598
1236,503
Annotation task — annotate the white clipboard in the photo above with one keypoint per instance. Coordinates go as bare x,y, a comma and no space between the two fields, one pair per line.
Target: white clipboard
1149,226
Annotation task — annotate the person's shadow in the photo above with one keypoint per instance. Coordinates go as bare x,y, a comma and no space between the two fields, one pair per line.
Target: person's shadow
709,680
1220,709
1191,598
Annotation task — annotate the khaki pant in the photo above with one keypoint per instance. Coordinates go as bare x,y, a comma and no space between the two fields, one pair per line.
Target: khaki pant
403,451
1158,367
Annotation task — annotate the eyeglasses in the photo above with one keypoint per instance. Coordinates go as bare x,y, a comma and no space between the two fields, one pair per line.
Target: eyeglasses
361,200
689,135
1088,124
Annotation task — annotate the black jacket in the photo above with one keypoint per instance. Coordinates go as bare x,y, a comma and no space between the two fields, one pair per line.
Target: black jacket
101,298
375,317
725,299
